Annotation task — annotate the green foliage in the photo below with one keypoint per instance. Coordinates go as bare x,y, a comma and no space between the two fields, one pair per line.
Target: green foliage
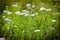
30,21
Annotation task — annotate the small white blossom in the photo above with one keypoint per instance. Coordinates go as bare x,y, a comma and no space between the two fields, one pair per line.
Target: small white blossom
28,5
36,30
53,20
48,9
33,6
32,15
25,11
18,13
26,14
5,11
7,20
9,13
42,8
14,5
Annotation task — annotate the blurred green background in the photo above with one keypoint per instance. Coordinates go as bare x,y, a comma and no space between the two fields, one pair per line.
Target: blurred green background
24,27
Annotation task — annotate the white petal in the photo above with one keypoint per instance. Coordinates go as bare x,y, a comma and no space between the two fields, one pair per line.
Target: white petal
9,13
33,6
37,31
53,20
28,5
42,8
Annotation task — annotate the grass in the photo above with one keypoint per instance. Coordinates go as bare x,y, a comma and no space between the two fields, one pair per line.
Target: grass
27,23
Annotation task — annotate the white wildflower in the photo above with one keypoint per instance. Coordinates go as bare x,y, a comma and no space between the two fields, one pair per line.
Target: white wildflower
9,13
53,20
36,30
28,5
7,20
48,9
18,13
25,11
32,15
33,6
26,14
14,5
5,11
42,8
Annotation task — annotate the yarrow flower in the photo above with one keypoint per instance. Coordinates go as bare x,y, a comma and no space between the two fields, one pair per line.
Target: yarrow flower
25,11
5,11
7,20
42,8
18,13
53,20
33,6
36,30
28,5
9,13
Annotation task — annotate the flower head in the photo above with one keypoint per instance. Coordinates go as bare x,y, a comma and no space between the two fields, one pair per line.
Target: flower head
25,11
9,13
18,13
36,30
7,20
5,11
53,20
33,6
42,8
28,5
